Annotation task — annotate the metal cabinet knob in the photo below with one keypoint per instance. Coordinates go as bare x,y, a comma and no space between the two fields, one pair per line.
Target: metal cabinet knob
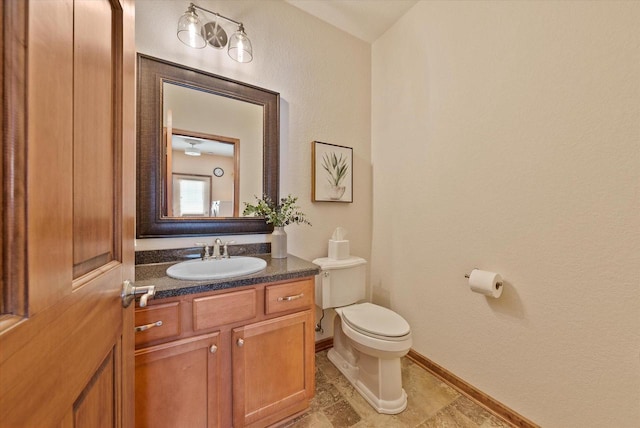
213,349
240,342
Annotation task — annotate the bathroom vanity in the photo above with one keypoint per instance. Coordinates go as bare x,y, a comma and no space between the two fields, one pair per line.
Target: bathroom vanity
224,353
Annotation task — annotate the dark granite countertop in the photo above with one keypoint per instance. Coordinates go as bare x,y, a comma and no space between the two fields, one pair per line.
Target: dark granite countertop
291,267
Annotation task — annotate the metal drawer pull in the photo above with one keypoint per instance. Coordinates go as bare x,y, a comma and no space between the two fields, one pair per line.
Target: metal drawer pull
290,298
148,326
240,342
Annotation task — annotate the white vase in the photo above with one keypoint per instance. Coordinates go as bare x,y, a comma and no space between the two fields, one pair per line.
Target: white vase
278,243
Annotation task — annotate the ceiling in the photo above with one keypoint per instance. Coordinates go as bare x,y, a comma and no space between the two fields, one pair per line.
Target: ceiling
364,19
210,147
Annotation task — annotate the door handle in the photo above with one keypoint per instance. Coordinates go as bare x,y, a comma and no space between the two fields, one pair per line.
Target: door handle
130,292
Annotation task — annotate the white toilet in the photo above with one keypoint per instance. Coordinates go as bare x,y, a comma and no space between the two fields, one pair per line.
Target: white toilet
368,340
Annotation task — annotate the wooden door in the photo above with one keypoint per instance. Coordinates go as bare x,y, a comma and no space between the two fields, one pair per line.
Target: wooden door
273,369
66,343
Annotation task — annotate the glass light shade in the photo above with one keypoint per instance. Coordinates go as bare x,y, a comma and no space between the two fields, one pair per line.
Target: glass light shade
240,46
190,30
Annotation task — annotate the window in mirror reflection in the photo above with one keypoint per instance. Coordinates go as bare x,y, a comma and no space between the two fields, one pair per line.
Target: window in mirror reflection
191,195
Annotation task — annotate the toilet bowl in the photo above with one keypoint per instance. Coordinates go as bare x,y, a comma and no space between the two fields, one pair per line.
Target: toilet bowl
375,330
368,340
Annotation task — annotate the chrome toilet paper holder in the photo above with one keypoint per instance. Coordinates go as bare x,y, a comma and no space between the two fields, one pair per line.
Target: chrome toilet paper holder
468,275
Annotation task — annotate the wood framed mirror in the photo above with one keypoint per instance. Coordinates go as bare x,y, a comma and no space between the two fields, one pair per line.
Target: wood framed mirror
183,111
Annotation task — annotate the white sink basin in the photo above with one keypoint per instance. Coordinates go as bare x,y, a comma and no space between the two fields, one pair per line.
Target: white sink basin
200,270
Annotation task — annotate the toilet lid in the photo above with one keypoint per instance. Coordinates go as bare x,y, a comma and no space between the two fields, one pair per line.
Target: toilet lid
374,319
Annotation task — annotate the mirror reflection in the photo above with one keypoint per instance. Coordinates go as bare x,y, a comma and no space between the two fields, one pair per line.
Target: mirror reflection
203,177
203,133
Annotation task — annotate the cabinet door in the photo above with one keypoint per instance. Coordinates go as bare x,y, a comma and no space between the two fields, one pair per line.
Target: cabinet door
273,369
177,384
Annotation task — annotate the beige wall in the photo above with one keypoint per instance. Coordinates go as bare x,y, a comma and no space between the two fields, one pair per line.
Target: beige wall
323,76
506,136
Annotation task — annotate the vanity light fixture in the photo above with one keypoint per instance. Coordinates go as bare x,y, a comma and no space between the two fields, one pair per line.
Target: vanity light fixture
193,33
193,150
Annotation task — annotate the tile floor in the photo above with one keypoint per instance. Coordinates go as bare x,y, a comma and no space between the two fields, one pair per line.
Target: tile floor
431,404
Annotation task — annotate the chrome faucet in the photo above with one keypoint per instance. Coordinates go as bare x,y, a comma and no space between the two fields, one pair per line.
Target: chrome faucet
205,250
216,248
225,254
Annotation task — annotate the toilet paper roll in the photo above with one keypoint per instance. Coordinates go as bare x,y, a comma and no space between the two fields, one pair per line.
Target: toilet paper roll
487,283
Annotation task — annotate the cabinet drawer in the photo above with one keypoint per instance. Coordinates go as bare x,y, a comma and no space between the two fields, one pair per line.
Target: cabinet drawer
223,309
289,296
157,322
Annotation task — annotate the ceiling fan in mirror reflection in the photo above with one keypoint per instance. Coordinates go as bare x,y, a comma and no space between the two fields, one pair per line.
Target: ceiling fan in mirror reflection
193,150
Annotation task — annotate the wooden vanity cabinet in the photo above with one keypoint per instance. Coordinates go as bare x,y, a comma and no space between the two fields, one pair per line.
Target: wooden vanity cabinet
243,357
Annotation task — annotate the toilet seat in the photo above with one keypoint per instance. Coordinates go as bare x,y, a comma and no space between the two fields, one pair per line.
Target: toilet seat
375,321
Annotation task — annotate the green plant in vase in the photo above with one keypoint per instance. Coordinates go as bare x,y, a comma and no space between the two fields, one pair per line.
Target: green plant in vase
280,215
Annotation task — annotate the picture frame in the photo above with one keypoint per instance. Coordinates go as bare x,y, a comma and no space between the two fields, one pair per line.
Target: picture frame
332,172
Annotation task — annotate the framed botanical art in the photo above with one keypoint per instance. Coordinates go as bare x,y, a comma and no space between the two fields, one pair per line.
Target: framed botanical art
332,173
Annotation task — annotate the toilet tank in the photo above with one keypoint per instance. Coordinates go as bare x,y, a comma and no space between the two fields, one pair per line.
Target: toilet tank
340,282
